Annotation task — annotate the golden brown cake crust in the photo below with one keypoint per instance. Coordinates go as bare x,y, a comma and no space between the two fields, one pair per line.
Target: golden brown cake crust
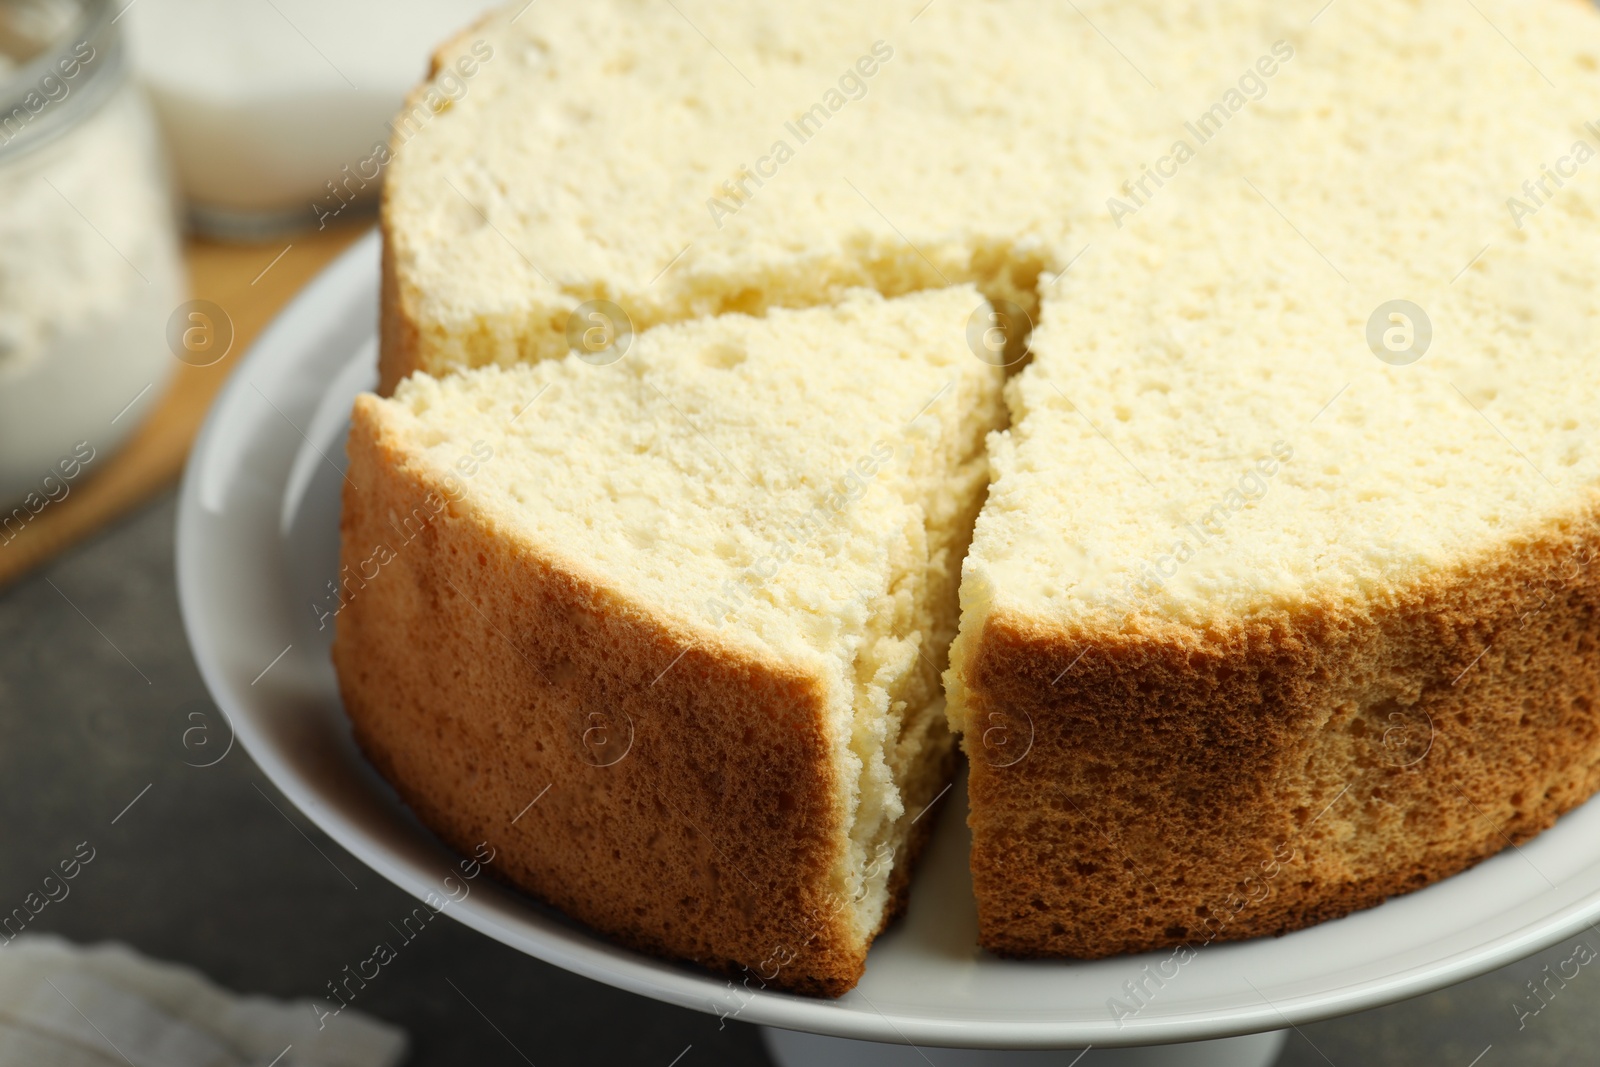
685,806
1184,787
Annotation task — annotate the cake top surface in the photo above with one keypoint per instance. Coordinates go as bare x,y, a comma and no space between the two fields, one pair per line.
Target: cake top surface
693,158
1315,288
1341,351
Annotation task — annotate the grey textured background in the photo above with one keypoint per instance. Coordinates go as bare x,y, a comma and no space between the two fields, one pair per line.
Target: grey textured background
213,868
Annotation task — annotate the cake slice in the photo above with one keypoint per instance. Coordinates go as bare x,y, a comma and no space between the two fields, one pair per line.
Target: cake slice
666,629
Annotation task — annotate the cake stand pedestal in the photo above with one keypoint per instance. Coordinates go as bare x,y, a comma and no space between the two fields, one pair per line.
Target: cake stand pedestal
789,1048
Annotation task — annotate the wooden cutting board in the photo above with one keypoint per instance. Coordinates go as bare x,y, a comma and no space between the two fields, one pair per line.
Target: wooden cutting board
251,283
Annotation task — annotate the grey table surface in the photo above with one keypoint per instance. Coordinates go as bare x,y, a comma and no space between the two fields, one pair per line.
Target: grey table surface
212,867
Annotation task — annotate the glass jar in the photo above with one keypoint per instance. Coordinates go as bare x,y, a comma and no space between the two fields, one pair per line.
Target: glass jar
90,263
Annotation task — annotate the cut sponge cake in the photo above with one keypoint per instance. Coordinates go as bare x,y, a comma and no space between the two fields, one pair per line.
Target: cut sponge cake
1284,599
695,603
1281,600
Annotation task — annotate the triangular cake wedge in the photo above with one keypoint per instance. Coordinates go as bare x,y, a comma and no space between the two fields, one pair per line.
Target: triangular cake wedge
666,633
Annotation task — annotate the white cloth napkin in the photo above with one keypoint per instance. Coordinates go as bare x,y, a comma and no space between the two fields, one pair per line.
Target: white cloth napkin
107,1006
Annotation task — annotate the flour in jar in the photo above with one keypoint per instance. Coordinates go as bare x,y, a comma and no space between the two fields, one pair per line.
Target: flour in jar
85,233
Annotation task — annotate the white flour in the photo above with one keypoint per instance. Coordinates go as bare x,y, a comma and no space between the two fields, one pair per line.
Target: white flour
89,274
80,219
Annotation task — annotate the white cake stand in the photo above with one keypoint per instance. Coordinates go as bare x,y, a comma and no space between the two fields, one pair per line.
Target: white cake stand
257,545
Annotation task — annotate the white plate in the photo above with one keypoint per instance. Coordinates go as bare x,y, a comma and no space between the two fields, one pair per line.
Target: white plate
258,541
